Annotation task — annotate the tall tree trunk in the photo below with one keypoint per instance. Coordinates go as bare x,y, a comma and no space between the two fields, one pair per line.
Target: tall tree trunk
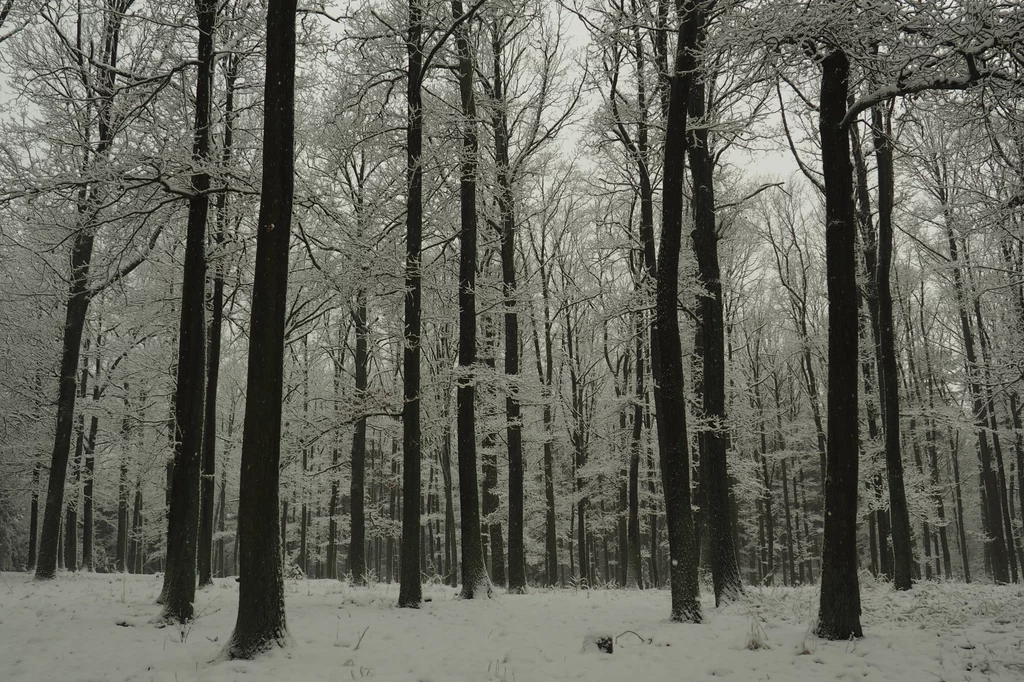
545,374
989,478
121,548
513,429
71,515
899,514
411,591
357,494
839,613
90,467
179,586
135,545
208,471
77,306
725,572
474,574
450,545
634,572
261,620
579,454
671,413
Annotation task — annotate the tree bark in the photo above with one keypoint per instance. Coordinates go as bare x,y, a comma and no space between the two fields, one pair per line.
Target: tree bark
899,514
725,572
79,296
513,429
671,413
475,582
357,493
261,618
179,587
208,470
411,590
839,612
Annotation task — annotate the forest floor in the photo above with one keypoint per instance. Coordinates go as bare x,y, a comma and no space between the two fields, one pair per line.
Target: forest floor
85,627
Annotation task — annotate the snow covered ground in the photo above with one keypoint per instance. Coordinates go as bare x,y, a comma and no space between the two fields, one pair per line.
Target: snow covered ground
95,627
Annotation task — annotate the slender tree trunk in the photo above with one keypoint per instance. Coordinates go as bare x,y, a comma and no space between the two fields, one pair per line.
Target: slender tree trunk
357,493
77,306
474,574
634,572
179,586
513,430
671,413
71,515
839,613
90,468
545,374
121,560
899,515
725,572
261,619
450,545
411,592
208,472
989,478
579,453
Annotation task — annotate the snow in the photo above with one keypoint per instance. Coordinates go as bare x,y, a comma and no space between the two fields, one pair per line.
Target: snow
96,627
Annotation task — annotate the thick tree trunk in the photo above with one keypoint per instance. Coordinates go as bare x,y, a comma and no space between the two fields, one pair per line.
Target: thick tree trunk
671,413
261,619
899,515
839,613
725,572
179,587
513,429
411,591
474,574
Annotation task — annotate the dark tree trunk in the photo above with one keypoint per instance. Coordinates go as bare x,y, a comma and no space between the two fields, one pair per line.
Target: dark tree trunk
121,548
513,432
634,572
77,306
493,541
899,515
357,493
71,515
450,545
474,574
668,370
725,572
33,525
261,620
997,449
208,471
179,587
579,443
90,468
789,525
411,591
989,478
79,296
135,544
545,374
839,613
